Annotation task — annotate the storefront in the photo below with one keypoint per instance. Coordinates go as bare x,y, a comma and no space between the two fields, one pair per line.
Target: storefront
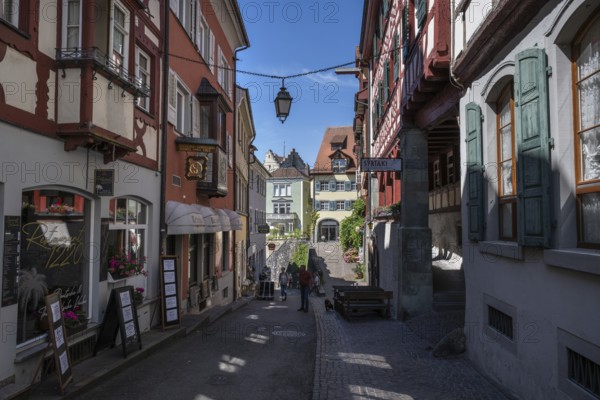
60,234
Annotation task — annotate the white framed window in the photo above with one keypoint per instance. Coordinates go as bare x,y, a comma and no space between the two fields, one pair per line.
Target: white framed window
340,205
184,111
9,11
340,185
281,208
71,37
325,205
282,189
143,68
339,165
119,37
224,73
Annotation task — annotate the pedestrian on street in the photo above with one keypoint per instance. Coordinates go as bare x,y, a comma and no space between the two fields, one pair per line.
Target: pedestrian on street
305,279
283,281
315,285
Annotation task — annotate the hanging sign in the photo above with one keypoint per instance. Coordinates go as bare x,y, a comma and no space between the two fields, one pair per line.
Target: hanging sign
380,164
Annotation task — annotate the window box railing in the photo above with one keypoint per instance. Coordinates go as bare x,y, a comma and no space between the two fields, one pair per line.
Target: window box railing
105,64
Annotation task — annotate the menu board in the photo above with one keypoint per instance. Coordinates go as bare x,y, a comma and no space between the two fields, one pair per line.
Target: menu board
120,316
10,261
169,292
58,339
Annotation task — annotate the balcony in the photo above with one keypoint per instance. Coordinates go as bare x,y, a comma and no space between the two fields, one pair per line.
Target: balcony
282,217
74,57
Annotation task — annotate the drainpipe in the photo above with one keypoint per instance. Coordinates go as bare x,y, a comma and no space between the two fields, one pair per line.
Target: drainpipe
233,145
165,130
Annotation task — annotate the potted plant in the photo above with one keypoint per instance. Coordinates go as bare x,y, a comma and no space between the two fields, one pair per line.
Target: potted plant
75,320
122,266
138,296
359,270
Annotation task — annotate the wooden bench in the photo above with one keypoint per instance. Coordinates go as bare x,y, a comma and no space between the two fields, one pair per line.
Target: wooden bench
339,289
354,302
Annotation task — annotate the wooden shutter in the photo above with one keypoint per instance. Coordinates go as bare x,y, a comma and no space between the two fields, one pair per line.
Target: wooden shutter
175,7
421,12
533,148
405,33
172,117
386,82
332,206
347,186
317,205
317,186
347,205
211,53
475,170
332,187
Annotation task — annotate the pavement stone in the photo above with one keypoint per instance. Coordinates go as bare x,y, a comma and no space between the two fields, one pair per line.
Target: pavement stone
368,358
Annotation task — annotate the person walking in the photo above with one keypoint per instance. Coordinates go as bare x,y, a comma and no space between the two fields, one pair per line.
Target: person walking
315,285
283,282
305,279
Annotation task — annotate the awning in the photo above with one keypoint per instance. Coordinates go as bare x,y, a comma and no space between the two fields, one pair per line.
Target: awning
236,221
187,219
224,218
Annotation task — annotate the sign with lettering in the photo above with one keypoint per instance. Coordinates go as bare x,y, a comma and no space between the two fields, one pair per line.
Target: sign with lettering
58,340
169,292
10,260
380,164
264,228
195,168
120,316
104,182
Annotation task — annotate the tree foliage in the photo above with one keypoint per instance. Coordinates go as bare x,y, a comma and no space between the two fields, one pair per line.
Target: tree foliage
349,237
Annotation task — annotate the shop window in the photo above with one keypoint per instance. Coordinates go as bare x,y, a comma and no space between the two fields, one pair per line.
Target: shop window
54,231
127,229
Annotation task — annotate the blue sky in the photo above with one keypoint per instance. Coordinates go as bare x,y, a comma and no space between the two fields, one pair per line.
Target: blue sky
293,37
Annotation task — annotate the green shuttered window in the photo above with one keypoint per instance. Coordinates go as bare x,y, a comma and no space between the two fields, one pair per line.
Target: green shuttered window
533,148
475,192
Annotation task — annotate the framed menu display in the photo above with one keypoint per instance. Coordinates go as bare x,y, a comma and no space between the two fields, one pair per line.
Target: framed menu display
120,316
58,340
169,292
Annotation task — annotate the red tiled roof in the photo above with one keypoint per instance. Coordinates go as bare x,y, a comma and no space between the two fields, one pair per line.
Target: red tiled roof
335,135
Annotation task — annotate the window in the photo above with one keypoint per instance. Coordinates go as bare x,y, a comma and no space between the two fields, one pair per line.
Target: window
9,11
340,205
325,205
586,76
339,165
72,18
450,167
205,40
507,176
183,122
324,186
353,186
282,189
281,208
501,322
340,185
120,40
437,178
143,75
224,73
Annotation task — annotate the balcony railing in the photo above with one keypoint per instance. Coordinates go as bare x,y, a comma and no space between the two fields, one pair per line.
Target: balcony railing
105,64
281,217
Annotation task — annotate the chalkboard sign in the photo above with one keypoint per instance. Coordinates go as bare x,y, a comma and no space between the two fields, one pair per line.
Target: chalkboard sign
58,340
169,292
104,182
120,316
10,262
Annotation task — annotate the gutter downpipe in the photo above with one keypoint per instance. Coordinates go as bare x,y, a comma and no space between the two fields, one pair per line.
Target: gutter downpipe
234,154
165,130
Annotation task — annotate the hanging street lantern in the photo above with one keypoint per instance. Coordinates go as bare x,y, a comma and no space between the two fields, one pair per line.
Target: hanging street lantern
283,103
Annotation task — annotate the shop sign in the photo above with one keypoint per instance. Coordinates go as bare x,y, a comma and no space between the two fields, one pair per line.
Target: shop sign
195,168
264,228
380,164
104,182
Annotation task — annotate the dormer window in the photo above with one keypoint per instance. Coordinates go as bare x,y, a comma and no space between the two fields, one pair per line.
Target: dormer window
339,165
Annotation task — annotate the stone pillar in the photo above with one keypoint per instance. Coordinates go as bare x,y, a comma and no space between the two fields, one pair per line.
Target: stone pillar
415,286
